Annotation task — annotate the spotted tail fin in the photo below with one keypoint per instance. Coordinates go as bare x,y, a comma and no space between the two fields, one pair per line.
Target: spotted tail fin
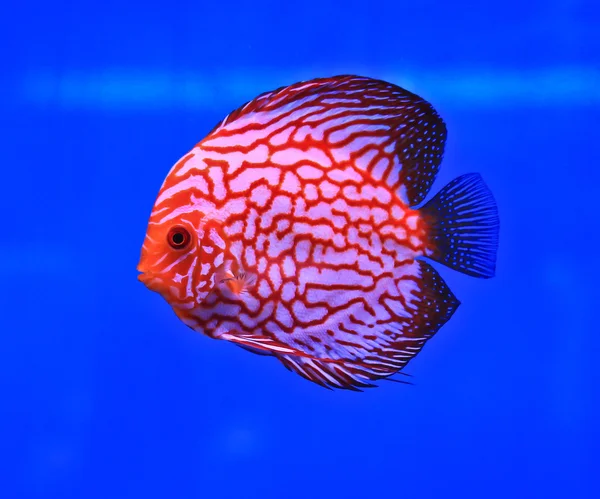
462,226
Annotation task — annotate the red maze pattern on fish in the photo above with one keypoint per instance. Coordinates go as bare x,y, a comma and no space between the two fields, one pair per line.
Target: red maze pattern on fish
328,237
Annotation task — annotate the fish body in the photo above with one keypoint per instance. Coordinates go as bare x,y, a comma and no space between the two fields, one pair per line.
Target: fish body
297,229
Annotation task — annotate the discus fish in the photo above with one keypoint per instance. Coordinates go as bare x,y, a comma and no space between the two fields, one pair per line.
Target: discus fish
297,229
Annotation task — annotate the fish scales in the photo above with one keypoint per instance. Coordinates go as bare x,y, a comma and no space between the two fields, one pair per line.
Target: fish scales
305,243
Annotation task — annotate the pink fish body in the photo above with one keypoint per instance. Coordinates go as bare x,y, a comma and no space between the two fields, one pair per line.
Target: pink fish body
292,230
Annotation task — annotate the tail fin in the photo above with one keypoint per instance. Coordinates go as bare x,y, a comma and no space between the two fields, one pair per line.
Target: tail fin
462,226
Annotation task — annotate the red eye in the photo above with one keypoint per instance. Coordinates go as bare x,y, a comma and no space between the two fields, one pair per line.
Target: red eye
178,237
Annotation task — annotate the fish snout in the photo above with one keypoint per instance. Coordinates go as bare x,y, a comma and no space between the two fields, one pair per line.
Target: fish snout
153,281
145,276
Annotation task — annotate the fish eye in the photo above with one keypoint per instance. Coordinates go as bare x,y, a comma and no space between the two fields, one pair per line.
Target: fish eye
178,237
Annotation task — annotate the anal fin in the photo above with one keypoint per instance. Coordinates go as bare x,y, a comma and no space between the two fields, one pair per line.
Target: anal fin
384,348
391,345
430,307
346,374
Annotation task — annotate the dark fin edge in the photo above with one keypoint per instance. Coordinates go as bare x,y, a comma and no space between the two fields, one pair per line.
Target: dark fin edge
420,149
462,226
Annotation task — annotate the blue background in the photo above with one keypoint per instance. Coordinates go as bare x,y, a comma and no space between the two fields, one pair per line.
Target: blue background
106,394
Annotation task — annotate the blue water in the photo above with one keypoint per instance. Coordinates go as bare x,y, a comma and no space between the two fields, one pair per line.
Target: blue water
106,394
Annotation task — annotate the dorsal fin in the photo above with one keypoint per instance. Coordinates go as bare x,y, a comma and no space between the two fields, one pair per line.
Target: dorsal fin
395,135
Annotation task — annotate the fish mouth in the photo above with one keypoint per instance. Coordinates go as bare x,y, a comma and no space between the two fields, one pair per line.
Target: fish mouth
153,282
145,276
